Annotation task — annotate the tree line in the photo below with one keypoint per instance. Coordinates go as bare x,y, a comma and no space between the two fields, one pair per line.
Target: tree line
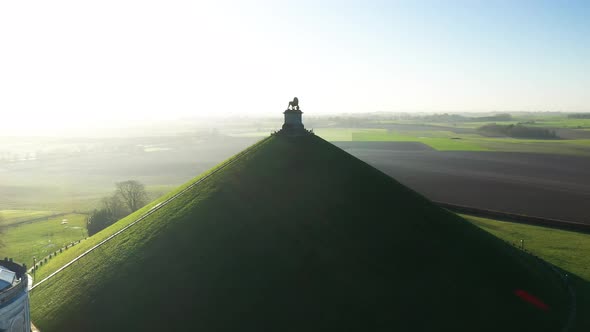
579,116
129,196
446,117
518,131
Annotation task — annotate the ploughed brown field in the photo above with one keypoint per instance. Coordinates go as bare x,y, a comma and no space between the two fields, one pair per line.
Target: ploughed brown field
543,185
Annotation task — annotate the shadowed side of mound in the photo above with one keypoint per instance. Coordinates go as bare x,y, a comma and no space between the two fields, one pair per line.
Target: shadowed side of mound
299,235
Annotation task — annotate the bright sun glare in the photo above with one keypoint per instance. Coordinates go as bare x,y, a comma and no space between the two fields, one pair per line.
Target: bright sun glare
72,64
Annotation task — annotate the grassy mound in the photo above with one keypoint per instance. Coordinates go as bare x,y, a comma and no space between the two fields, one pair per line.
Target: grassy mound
65,257
299,235
568,250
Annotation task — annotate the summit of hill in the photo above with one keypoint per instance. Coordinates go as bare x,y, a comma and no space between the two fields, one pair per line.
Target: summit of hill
298,235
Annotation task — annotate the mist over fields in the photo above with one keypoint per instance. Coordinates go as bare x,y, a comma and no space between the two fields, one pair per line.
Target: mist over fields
71,173
444,156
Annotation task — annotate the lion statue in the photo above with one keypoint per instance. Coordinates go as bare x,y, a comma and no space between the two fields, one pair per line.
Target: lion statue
294,104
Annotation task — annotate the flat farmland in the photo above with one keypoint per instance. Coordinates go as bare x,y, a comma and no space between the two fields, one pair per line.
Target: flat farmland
461,139
39,239
10,217
543,185
76,173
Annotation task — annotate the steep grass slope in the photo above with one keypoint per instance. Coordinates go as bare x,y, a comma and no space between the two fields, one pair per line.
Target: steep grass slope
299,235
65,257
570,251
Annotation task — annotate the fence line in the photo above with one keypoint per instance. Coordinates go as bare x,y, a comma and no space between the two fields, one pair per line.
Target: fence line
152,210
45,259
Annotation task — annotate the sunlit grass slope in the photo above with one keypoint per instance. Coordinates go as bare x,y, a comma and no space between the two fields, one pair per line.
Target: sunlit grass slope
63,258
296,236
567,250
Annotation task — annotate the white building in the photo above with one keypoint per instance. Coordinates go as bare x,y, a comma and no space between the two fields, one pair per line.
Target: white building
14,297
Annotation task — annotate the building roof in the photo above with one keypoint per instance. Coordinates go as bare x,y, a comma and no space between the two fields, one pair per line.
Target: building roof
7,277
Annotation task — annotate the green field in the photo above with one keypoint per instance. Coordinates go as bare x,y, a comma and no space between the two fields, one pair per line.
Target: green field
40,238
539,121
439,140
10,217
562,122
37,201
449,141
469,125
464,136
567,250
298,235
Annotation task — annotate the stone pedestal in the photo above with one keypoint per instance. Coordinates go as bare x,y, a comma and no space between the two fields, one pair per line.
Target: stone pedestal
293,124
293,119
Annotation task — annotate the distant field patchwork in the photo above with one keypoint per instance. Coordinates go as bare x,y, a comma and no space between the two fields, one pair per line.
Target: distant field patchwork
444,140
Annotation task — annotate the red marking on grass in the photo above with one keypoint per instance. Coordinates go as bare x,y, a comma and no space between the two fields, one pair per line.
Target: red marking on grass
524,295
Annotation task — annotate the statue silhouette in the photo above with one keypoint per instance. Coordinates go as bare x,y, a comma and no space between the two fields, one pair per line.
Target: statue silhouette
294,104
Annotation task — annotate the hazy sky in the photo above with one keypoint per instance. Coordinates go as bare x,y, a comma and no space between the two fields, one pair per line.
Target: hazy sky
72,63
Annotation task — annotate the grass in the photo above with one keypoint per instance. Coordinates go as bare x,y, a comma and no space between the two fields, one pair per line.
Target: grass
299,235
10,217
261,134
439,140
40,238
38,200
448,141
562,122
579,147
445,143
570,251
472,125
64,258
35,197
547,121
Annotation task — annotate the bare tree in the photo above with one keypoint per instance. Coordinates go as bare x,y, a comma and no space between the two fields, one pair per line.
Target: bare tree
132,193
114,205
